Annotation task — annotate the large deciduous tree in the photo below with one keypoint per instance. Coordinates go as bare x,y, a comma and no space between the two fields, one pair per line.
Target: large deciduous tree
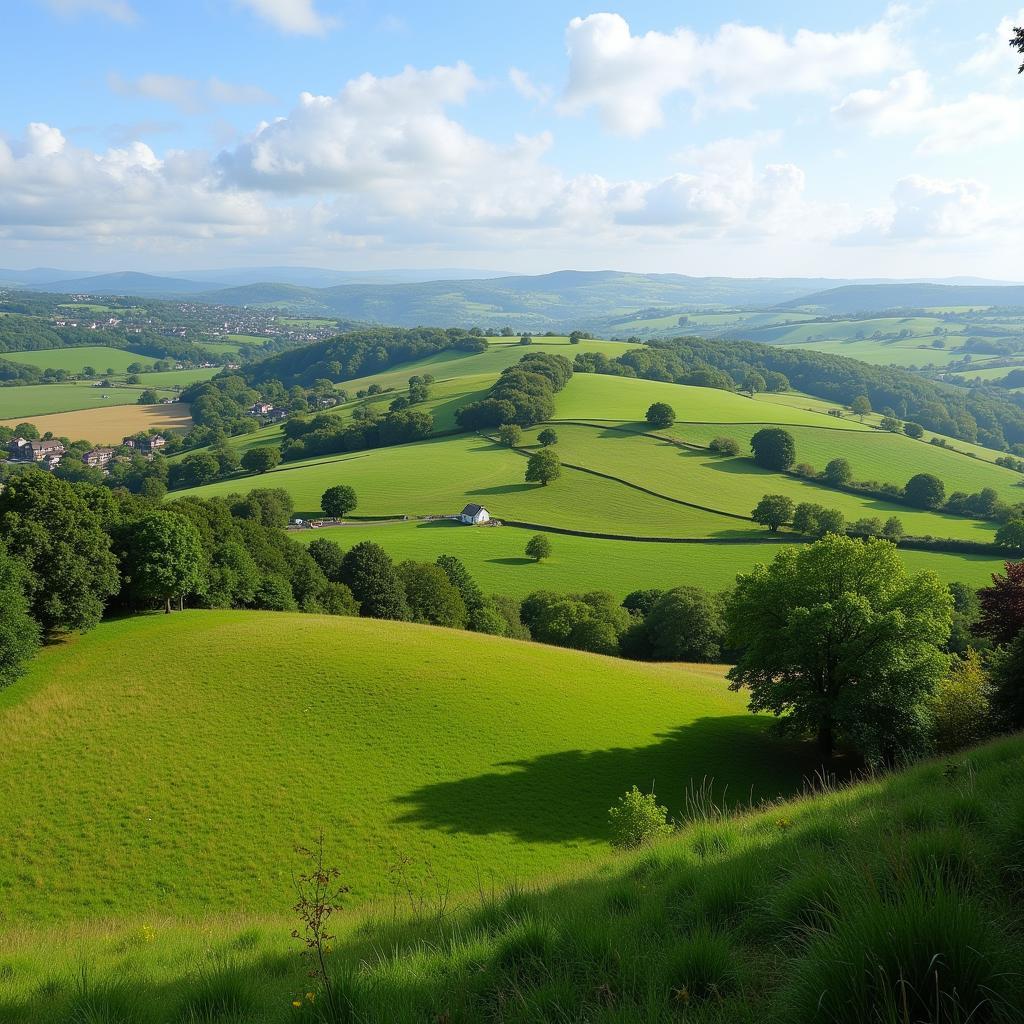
542,467
1002,605
369,573
162,558
773,511
338,501
841,643
774,448
661,414
925,490
70,570
19,632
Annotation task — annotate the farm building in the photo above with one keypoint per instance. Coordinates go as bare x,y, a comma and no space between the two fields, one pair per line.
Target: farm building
474,515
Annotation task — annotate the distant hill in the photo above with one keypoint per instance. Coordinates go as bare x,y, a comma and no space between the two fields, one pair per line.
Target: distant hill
541,302
870,298
129,283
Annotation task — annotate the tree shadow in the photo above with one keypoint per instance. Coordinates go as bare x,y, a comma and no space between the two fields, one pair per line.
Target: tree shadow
566,796
502,489
510,561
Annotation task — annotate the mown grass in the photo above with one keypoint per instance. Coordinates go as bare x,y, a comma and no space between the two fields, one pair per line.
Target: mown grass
496,558
894,901
43,399
736,485
167,765
100,357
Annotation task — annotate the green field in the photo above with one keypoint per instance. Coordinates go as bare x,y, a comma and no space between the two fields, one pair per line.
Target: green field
179,378
100,357
495,556
40,399
190,773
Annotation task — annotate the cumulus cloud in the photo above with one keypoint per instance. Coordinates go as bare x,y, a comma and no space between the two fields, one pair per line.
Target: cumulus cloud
295,17
187,94
906,106
993,56
527,88
627,78
117,10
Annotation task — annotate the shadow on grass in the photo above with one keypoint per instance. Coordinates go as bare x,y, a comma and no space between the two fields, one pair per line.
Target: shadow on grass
565,796
511,561
502,489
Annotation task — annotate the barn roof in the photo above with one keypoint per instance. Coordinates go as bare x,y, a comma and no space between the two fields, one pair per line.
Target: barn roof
471,510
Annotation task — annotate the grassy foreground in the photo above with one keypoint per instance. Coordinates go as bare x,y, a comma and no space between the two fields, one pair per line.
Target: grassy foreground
205,745
897,900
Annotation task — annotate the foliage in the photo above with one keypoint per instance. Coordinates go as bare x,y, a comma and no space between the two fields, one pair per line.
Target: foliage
685,624
660,414
524,394
840,642
959,708
547,437
1011,534
588,622
431,596
774,448
1002,605
637,819
509,434
260,460
925,490
724,446
773,511
369,573
19,633
838,472
543,466
338,501
538,547
161,558
1007,680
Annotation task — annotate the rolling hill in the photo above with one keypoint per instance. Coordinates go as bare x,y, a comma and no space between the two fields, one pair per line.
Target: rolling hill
860,298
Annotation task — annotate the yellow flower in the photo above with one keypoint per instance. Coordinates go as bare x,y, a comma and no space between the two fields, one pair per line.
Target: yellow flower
311,996
297,1003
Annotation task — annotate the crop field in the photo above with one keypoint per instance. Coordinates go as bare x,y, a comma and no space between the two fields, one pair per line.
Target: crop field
101,357
907,354
495,556
110,425
191,773
43,399
595,397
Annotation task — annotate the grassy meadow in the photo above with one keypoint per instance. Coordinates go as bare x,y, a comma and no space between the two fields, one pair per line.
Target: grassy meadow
100,357
43,399
190,773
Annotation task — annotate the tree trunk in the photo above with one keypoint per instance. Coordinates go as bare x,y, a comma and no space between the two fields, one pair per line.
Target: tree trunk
825,743
167,606
181,603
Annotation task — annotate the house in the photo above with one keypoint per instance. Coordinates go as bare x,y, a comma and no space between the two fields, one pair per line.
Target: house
145,445
20,450
474,515
276,415
261,409
98,457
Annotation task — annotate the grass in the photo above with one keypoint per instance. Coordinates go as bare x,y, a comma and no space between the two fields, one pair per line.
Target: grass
107,426
190,773
495,557
100,357
598,397
43,399
884,902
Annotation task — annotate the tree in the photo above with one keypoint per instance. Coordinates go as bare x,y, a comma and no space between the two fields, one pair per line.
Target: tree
753,383
773,511
640,602
1006,673
509,434
162,558
893,529
547,437
724,446
1017,43
838,472
327,554
1011,534
861,406
461,579
660,415
774,448
576,337
805,517
543,467
869,526
262,459
338,501
19,632
526,340
70,572
830,520
914,430
925,491
1002,605
431,595
538,547
839,641
959,708
891,424
686,624
370,574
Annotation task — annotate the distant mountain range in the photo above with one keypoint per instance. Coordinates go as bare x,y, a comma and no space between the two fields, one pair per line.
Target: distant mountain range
601,301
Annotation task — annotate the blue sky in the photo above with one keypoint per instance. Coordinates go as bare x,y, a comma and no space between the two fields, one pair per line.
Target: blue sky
736,138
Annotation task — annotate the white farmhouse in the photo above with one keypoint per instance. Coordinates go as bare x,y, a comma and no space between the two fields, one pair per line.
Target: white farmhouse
474,515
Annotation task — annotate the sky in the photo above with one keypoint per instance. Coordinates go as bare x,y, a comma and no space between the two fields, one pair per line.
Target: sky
735,138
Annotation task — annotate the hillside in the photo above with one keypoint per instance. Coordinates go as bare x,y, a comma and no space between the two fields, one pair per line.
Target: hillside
856,298
191,772
893,900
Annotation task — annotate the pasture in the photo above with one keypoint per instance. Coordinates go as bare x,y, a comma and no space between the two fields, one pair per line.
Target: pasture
110,425
103,359
190,773
29,400
495,556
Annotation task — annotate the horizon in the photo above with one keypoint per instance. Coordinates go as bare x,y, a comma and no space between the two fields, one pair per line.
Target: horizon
855,142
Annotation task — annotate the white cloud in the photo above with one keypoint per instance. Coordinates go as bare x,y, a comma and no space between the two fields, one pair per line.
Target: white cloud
628,78
296,17
187,94
527,88
907,107
994,56
117,10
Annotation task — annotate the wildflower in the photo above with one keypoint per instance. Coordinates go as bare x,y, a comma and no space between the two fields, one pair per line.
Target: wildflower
311,996
297,1003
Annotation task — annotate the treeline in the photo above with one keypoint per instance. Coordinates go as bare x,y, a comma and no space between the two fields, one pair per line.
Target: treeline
978,417
359,353
524,394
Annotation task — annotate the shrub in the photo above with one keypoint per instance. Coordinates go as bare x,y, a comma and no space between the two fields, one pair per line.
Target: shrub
547,437
959,707
637,819
724,446
914,430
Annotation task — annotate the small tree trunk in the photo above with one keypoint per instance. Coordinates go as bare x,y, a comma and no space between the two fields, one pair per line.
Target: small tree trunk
825,743
167,606
181,603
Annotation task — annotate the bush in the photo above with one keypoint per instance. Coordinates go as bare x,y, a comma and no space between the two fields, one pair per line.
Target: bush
959,707
509,435
637,819
261,460
538,547
724,446
547,437
838,472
